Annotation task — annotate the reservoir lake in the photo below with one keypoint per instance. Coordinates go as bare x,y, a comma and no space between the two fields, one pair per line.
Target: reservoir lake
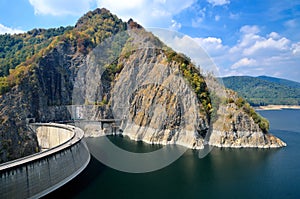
223,173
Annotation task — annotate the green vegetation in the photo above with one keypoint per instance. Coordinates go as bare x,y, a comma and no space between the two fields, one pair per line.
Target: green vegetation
20,54
285,82
15,49
193,76
258,119
260,91
99,25
3,85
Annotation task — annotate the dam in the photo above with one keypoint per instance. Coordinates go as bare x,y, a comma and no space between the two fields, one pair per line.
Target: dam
64,154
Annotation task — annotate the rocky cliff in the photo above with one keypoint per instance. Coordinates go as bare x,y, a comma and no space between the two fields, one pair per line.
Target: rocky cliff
42,86
105,68
169,102
238,125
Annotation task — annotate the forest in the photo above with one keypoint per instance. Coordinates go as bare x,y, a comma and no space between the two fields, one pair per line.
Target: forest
264,90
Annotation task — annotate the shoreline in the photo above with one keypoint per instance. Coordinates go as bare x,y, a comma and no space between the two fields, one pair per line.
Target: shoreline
276,107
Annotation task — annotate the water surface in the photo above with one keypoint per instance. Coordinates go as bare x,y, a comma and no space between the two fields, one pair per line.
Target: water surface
224,173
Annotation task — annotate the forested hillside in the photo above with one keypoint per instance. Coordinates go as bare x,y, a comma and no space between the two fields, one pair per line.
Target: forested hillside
265,90
15,49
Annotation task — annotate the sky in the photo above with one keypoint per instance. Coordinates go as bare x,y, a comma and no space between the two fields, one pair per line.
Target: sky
242,37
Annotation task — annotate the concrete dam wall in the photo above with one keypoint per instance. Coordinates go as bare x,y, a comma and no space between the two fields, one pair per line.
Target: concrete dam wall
52,136
64,156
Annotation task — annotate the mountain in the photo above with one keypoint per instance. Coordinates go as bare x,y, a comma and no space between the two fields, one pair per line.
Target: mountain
264,90
281,81
106,68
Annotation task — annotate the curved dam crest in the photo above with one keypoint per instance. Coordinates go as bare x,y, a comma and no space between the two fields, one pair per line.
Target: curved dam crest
64,155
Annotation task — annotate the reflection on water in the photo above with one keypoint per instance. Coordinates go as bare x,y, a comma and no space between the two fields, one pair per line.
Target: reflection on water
133,146
146,159
223,173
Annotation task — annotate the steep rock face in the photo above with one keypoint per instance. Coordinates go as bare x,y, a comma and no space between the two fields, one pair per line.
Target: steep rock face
157,101
15,139
237,129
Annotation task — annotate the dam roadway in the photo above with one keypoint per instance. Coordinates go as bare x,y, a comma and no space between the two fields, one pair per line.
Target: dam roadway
64,156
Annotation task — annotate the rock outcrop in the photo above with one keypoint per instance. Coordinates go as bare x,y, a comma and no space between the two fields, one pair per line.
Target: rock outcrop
159,104
236,129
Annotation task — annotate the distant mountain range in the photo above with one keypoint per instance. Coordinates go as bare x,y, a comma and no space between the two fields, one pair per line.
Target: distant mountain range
265,90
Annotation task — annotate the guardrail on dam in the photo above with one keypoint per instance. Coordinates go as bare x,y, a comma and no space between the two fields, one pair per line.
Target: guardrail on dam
64,156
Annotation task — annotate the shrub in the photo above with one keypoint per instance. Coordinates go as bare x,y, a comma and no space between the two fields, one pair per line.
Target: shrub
258,119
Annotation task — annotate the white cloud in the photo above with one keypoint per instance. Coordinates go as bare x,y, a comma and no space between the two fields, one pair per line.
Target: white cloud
296,48
197,21
149,13
217,18
120,5
61,7
254,54
250,29
212,45
190,47
254,44
4,29
291,23
218,2
268,46
244,62
175,25
274,35
234,16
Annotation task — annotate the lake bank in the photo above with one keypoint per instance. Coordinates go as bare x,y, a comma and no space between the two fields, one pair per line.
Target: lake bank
277,107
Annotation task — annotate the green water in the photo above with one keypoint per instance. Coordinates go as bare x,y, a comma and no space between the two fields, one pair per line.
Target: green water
223,173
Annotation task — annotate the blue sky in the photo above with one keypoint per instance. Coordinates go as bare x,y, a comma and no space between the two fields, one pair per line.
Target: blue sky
243,37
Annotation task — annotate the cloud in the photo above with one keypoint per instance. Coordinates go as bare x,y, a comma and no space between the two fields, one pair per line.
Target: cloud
244,62
268,46
189,46
249,30
212,45
234,16
61,7
218,2
217,17
158,13
274,35
253,44
254,54
149,13
296,48
291,23
4,29
175,25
